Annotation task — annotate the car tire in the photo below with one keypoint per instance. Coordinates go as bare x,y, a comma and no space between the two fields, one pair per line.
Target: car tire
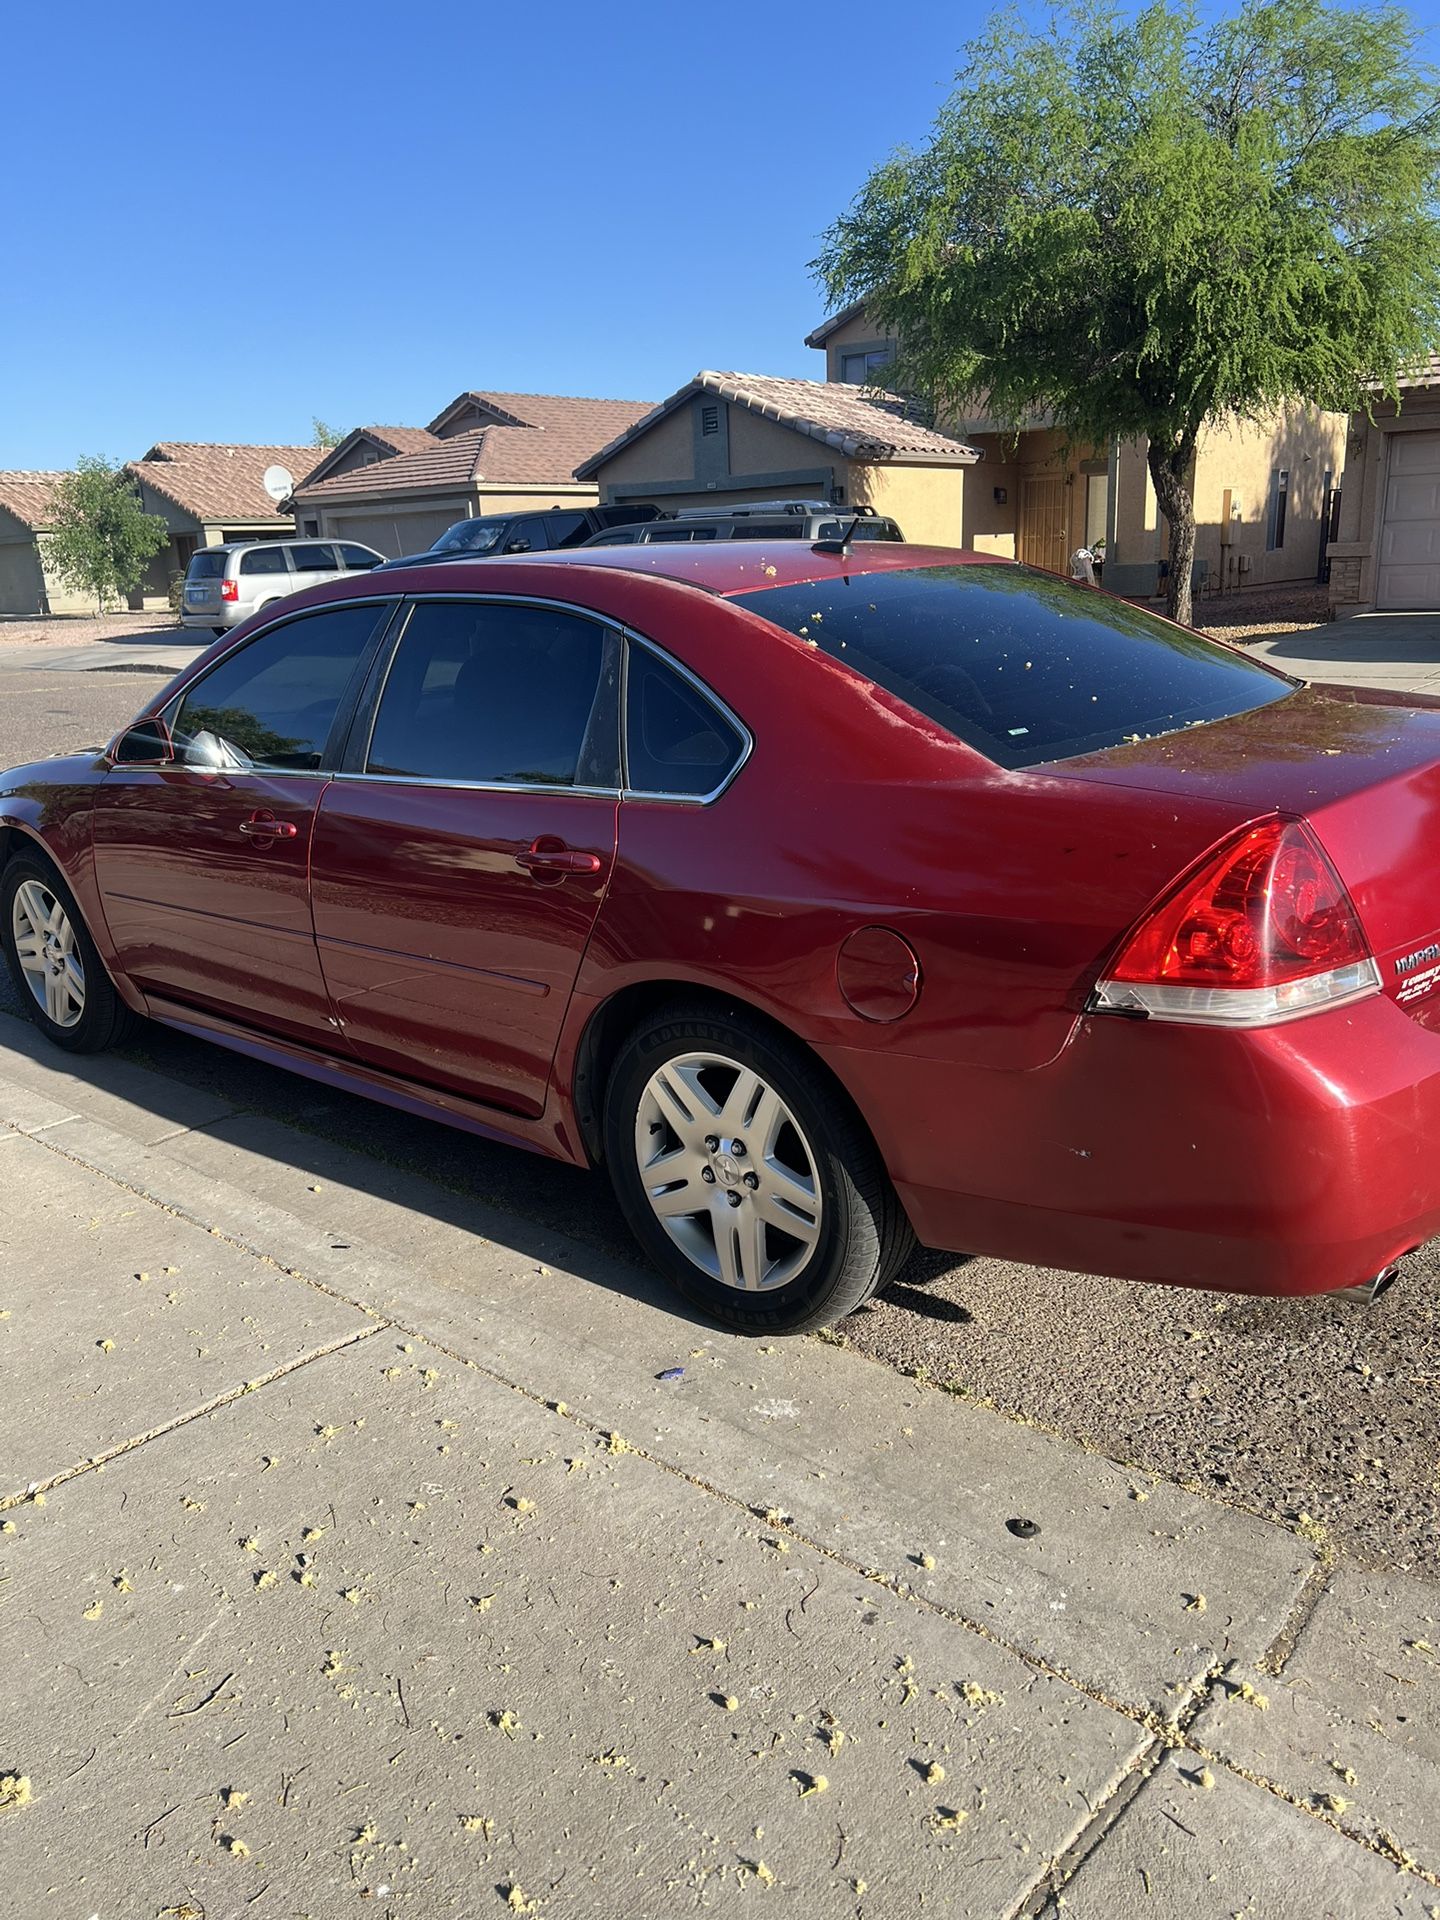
31,893
795,1222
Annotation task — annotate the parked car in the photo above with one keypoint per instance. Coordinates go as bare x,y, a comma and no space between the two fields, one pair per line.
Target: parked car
225,585
497,533
829,900
758,520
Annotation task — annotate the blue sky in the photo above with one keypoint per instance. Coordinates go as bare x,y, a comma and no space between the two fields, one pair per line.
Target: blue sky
215,232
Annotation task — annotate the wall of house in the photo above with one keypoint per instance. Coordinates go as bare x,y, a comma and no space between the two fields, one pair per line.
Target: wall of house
746,447
927,502
22,584
859,334
665,451
1242,457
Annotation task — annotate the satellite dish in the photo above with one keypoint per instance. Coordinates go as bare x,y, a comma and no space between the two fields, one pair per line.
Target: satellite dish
279,483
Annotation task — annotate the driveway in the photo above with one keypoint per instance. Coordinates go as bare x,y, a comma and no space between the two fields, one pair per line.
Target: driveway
1399,650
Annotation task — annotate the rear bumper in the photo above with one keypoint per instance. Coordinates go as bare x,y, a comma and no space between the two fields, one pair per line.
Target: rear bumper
1291,1160
222,616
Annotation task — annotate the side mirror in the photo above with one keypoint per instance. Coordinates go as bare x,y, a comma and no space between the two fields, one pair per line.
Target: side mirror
517,546
146,744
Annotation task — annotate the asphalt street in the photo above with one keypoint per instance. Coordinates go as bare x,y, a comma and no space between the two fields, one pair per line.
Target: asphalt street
1316,1410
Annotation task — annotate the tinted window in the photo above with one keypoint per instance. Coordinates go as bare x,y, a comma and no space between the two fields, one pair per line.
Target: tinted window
1023,666
525,536
506,694
795,528
264,560
206,566
470,536
566,529
678,530
276,699
676,740
313,559
358,559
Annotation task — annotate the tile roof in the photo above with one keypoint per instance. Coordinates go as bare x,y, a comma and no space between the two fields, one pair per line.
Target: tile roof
833,325
29,496
595,421
401,439
221,482
862,425
560,433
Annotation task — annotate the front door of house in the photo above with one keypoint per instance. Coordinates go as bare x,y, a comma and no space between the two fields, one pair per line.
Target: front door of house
1042,522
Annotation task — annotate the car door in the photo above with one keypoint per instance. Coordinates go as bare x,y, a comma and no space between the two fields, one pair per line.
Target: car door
312,562
202,864
463,852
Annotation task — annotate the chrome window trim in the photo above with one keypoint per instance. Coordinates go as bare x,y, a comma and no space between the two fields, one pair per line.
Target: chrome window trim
709,695
478,786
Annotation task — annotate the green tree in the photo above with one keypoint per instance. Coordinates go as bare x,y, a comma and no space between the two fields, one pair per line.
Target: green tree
1143,225
99,538
325,435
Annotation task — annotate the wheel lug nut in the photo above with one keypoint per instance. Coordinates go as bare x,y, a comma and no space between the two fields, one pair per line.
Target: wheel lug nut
707,1174
712,1145
752,1180
733,1198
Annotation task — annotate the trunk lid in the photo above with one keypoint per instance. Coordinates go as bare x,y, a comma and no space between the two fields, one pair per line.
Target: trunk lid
1363,766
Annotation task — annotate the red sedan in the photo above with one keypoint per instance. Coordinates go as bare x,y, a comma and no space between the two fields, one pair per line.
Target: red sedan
831,899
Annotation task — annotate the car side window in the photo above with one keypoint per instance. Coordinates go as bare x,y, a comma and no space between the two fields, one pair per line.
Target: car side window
677,740
566,529
498,693
274,701
264,560
358,559
313,559
527,535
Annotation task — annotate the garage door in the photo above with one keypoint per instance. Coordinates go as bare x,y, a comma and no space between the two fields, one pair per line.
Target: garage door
1409,570
402,530
20,583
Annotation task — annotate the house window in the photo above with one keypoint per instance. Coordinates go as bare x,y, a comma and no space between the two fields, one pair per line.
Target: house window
1097,502
857,369
1279,500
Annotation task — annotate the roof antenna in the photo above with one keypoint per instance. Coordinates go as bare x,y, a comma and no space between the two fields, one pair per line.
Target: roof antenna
842,545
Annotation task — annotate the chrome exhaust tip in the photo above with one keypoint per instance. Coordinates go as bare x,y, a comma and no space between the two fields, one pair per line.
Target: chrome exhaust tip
1370,1290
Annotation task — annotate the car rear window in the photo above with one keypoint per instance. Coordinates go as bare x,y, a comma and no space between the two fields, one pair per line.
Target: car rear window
1018,664
206,566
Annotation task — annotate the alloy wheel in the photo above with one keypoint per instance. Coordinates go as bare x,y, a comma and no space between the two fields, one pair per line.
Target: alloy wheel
728,1171
49,959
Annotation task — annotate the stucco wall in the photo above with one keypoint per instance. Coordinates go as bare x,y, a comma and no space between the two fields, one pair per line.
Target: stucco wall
665,451
928,502
861,332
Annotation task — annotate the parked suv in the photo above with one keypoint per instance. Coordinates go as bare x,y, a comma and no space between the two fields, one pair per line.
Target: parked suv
495,533
225,585
757,520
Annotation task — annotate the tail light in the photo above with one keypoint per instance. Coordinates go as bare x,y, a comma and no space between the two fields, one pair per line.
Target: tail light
1261,930
229,589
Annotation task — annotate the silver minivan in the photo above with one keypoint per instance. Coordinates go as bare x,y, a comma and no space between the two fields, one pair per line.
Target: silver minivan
225,585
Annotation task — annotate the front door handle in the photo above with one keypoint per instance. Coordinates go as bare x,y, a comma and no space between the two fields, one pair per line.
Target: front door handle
264,826
549,858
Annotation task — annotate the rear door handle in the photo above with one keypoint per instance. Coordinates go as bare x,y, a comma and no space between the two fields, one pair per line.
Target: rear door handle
264,826
551,858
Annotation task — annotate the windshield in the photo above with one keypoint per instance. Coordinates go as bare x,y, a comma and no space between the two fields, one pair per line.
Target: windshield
470,536
1020,665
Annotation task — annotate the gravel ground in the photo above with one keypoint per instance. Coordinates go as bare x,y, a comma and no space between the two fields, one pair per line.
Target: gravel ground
85,629
1254,613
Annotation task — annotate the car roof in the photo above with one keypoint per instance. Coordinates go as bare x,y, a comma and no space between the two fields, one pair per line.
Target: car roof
729,567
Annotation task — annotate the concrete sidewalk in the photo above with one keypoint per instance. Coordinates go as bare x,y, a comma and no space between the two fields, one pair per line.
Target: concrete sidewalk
363,1556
